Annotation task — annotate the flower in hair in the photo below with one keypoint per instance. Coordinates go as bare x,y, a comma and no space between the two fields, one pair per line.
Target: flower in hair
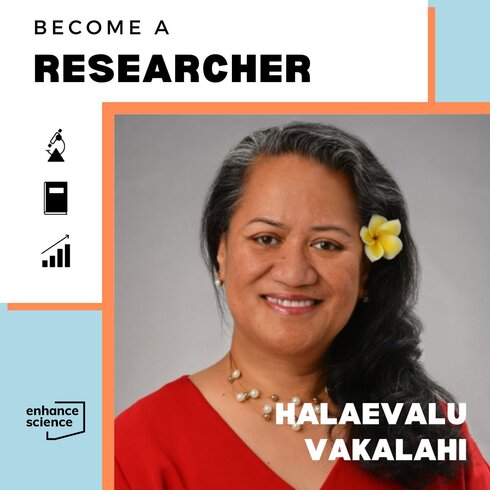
380,238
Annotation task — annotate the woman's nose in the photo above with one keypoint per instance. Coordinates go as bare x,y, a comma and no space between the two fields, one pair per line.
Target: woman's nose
293,267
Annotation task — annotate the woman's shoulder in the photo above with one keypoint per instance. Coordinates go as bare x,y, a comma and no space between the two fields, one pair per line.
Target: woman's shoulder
150,436
147,431
163,401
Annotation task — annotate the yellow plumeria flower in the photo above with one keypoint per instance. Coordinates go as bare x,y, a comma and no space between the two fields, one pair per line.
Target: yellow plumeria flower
381,238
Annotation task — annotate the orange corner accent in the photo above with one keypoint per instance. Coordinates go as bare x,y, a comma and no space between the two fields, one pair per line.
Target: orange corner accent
432,55
54,306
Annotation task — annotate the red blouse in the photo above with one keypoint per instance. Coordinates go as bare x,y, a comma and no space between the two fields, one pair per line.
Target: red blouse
173,439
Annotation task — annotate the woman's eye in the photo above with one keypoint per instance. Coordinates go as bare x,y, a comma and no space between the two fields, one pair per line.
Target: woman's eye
326,245
266,240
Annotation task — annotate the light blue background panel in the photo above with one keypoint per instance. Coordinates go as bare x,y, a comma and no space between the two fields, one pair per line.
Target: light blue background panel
47,356
462,42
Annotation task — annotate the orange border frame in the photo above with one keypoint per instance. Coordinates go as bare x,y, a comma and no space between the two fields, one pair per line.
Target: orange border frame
110,110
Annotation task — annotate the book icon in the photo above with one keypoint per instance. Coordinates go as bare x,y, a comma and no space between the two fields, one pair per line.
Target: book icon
55,197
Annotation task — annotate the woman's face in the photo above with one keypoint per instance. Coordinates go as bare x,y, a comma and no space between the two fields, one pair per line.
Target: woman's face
292,260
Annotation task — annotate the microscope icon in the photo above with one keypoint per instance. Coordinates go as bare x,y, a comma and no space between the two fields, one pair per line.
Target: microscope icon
57,145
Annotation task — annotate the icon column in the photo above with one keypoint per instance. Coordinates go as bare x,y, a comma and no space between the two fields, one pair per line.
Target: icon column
56,203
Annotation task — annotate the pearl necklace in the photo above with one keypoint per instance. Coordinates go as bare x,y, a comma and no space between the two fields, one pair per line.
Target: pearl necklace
267,408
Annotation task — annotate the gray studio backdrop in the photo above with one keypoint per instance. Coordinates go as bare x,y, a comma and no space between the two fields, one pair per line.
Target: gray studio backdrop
167,323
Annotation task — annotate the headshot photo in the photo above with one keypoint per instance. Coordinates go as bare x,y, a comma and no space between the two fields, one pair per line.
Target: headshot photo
300,302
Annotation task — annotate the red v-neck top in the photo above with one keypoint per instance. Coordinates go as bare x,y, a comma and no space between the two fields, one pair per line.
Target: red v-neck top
174,440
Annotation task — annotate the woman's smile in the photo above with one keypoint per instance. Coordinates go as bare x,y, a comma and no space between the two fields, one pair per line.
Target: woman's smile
290,304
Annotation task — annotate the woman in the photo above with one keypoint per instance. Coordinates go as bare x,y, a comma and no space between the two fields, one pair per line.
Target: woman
322,309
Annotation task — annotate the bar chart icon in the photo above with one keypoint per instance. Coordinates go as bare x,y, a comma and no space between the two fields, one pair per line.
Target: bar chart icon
60,257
